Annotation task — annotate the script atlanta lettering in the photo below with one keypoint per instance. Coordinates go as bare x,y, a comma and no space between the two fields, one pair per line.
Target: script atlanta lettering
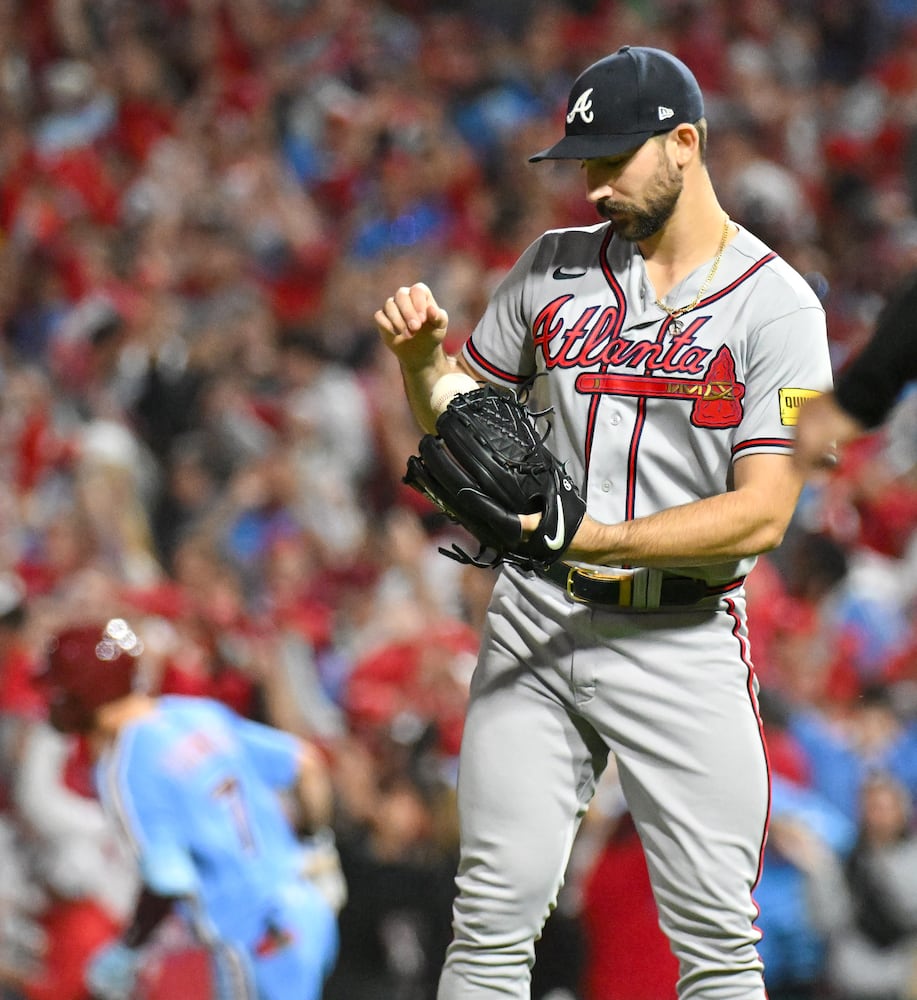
594,339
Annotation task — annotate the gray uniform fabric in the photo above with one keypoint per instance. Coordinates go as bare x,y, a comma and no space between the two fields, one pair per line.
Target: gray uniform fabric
648,413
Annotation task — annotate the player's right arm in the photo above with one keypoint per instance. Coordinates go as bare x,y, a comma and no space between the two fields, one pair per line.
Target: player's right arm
745,521
413,327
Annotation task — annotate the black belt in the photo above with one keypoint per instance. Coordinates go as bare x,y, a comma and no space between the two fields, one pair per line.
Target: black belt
588,586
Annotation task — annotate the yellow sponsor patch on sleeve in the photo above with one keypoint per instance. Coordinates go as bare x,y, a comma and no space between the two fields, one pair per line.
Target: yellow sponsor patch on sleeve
791,401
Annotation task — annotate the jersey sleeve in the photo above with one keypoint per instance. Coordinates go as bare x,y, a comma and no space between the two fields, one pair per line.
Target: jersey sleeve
788,362
500,346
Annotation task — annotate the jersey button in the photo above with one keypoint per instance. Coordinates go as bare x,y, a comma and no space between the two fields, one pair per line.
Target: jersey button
615,418
606,486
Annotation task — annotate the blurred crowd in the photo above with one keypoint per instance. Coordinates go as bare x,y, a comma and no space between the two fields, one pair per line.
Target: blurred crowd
202,203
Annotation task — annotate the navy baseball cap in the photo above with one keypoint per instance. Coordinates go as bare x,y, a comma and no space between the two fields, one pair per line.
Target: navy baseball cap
624,99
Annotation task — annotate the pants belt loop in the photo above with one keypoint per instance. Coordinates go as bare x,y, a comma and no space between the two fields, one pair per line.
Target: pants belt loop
654,588
644,588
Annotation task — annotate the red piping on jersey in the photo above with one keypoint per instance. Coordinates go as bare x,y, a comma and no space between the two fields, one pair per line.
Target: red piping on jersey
615,330
733,613
630,498
742,277
491,368
761,443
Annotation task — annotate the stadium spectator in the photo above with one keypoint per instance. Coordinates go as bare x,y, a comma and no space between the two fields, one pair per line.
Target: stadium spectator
865,905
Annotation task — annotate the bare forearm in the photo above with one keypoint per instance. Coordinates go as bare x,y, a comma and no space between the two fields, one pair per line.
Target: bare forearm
418,386
719,529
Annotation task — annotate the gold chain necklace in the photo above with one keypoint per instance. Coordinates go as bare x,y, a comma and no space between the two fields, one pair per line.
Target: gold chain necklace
681,310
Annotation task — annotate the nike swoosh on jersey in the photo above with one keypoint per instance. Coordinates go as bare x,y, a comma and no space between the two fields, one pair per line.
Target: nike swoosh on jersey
560,274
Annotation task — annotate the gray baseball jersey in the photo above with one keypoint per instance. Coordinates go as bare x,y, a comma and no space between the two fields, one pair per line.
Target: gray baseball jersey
648,413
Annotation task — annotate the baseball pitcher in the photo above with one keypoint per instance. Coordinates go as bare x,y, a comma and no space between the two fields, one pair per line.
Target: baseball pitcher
665,352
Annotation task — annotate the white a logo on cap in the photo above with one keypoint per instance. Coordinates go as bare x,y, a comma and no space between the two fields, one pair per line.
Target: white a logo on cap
665,113
582,107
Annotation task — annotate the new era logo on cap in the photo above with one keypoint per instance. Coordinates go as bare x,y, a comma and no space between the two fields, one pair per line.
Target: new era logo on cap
622,100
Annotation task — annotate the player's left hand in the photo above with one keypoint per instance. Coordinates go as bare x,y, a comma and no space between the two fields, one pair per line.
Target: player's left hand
488,463
111,973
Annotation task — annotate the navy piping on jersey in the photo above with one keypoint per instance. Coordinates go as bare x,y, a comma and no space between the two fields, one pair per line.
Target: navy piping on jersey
630,500
619,323
762,443
738,618
492,369
716,296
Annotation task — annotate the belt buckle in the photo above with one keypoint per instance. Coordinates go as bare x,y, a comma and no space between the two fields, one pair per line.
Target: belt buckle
625,580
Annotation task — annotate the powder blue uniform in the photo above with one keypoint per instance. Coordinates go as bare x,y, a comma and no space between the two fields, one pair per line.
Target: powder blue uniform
648,413
196,787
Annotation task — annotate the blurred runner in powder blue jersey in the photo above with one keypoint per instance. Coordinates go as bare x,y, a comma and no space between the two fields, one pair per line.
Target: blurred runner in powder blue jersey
199,792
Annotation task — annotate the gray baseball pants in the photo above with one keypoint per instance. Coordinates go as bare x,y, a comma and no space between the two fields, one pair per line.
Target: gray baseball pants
672,695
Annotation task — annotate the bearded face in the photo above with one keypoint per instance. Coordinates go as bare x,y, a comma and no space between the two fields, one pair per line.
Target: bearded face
643,218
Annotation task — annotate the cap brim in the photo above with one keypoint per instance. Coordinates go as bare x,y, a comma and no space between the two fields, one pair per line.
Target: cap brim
587,147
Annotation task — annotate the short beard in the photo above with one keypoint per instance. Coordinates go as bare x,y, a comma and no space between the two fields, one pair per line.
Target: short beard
636,224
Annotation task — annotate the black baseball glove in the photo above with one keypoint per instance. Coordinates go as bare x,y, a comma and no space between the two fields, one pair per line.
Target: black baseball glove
487,464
